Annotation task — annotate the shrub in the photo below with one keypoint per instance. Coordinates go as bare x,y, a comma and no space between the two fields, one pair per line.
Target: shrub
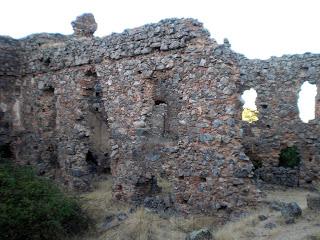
289,157
257,162
32,207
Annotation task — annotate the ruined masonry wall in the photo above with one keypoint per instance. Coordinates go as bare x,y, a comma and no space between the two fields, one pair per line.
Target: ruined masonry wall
10,58
159,102
278,82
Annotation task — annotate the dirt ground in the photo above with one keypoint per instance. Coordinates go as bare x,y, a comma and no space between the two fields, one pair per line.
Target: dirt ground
307,226
142,224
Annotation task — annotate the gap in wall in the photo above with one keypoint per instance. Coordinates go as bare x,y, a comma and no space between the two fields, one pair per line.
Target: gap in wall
307,102
249,112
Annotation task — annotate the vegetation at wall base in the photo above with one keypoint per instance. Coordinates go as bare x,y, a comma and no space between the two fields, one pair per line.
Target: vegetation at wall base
34,208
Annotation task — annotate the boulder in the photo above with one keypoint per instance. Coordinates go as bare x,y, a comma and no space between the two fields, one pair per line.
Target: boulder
270,225
289,220
85,25
202,234
276,205
113,220
262,217
291,210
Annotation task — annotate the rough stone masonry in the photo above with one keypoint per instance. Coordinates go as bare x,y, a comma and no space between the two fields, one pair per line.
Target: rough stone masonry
158,102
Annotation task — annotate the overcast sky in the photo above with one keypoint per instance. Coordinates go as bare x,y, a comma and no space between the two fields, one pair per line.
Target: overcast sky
256,28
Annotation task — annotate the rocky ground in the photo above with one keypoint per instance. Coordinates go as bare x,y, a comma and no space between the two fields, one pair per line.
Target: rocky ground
282,214
270,220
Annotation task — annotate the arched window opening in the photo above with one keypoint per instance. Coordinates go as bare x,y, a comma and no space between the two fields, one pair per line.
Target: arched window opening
307,102
249,112
91,160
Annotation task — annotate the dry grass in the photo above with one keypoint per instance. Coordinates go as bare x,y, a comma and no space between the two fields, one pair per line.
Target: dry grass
289,195
141,224
165,184
236,230
315,236
145,225
99,202
251,228
191,223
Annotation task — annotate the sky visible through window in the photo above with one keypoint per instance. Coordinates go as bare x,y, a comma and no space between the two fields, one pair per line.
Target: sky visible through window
249,98
307,101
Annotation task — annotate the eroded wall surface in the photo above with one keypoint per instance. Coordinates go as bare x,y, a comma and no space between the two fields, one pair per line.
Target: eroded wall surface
10,101
278,82
159,102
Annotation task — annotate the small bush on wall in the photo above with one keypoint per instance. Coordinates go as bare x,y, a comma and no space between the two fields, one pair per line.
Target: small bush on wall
289,157
257,163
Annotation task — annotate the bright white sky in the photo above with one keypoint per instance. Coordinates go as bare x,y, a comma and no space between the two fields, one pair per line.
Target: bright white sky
256,28
306,101
248,99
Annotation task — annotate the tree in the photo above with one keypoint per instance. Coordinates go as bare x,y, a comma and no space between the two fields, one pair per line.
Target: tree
250,115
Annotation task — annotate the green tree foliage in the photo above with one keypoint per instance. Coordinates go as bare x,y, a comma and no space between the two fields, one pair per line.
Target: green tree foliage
250,115
289,157
33,208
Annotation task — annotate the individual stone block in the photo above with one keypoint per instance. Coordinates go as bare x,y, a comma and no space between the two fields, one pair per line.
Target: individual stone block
84,25
291,210
202,234
313,202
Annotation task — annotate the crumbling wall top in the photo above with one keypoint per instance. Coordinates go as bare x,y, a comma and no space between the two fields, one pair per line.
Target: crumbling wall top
85,25
50,52
9,56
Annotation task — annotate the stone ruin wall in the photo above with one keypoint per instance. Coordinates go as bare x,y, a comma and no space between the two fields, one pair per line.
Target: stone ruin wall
278,82
10,59
158,102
